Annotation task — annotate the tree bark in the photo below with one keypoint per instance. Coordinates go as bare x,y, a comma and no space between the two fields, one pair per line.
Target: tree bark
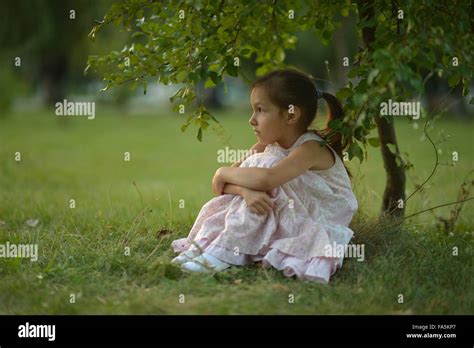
395,184
396,180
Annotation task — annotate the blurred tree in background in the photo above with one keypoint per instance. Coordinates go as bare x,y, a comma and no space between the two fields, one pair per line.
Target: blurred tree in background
50,38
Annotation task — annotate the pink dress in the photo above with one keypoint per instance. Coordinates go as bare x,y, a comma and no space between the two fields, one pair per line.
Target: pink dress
311,214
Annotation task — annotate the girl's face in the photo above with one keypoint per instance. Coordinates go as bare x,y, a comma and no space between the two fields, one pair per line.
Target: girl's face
267,121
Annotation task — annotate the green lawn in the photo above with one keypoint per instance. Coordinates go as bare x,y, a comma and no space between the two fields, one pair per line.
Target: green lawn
135,204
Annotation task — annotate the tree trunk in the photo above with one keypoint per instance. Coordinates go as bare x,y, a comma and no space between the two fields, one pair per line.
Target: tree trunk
395,184
396,181
53,71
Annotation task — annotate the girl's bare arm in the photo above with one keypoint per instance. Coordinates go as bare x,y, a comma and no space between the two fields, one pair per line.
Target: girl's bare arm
234,189
296,163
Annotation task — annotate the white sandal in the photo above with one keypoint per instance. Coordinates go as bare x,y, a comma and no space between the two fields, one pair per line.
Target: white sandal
205,263
186,256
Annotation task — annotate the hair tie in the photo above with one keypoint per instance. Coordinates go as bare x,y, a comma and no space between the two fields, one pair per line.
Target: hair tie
319,94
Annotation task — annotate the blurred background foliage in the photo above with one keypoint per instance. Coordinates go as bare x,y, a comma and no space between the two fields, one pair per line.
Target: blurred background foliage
53,48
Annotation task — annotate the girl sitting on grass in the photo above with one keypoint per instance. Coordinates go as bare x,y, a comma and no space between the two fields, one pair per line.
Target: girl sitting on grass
288,204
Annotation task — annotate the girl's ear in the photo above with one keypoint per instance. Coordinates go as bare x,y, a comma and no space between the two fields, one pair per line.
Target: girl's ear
293,114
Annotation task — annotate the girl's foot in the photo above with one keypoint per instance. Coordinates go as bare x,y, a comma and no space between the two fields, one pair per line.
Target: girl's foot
185,256
205,263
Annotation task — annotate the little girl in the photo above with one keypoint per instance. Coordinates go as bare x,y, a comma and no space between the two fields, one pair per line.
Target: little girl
288,204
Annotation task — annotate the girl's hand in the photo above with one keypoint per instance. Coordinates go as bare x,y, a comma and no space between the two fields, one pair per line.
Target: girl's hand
258,201
218,182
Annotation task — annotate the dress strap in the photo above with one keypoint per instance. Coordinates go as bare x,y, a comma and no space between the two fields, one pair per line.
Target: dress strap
303,137
310,135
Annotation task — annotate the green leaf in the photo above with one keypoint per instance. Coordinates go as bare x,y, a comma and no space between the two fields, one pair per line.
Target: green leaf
280,55
445,60
392,148
454,80
372,75
215,77
359,133
399,161
199,134
335,124
465,86
353,73
193,77
232,70
181,76
245,52
178,94
214,119
345,11
209,84
344,93
374,142
355,150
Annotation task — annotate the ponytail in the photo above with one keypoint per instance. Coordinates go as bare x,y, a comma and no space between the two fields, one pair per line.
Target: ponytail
333,138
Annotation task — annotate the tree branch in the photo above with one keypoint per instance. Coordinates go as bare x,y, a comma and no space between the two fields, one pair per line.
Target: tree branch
438,206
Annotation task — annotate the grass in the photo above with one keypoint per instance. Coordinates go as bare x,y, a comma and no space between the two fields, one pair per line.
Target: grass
136,204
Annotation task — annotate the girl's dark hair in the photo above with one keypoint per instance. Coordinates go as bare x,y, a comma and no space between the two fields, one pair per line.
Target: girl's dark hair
291,86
